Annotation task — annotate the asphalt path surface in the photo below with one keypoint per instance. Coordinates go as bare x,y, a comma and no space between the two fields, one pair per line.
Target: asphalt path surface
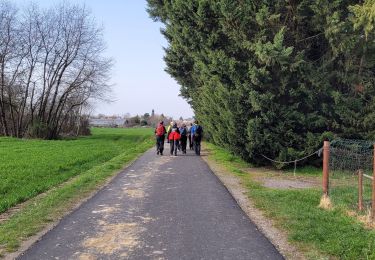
161,207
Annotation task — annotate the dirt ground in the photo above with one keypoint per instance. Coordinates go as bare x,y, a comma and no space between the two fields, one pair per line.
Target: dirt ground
289,182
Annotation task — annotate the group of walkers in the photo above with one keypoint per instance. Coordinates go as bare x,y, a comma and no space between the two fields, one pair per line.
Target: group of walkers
179,137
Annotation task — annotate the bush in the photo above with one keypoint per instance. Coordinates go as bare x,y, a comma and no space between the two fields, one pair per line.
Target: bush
37,130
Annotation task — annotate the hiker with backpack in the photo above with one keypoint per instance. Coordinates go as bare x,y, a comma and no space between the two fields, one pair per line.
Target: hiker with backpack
197,133
160,136
169,130
174,138
183,139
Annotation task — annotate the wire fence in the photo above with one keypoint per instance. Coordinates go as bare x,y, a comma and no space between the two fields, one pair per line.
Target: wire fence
351,164
349,156
352,168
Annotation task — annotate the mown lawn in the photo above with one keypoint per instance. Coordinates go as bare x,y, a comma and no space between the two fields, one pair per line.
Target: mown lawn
30,167
320,234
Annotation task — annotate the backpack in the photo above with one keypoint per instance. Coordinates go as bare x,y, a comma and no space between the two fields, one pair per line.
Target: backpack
183,131
176,136
160,131
198,130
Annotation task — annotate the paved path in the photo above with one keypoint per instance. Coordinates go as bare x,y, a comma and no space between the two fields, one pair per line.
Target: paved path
159,208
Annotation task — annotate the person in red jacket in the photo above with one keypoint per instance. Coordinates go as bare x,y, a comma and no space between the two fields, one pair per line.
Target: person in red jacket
160,136
174,138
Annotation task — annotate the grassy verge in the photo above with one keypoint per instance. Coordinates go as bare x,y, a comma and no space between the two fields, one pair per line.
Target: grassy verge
318,233
41,210
31,167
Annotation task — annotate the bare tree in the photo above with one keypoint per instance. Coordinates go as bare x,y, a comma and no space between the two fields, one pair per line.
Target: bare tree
8,30
52,65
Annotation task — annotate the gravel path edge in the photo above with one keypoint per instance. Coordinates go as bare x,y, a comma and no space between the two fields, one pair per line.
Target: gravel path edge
277,237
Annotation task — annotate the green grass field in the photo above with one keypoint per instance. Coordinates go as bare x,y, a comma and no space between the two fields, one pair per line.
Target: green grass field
321,234
30,167
68,171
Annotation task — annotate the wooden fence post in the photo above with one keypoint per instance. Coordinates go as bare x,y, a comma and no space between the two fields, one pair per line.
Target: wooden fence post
326,168
360,190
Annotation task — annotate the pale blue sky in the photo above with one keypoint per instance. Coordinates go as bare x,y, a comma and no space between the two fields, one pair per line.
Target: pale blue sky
135,43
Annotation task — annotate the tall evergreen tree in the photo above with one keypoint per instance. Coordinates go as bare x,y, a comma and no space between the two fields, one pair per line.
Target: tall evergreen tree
273,77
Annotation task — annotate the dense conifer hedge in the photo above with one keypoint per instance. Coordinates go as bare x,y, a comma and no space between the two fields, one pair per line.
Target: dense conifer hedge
273,77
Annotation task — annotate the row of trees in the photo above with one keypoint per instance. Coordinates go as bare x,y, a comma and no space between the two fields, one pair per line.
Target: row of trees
51,66
147,120
273,77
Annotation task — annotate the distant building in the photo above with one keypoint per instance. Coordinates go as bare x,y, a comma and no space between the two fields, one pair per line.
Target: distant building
107,122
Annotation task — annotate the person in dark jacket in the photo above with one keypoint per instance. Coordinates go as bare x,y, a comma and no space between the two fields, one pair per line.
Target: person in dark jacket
174,138
160,136
183,139
197,134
